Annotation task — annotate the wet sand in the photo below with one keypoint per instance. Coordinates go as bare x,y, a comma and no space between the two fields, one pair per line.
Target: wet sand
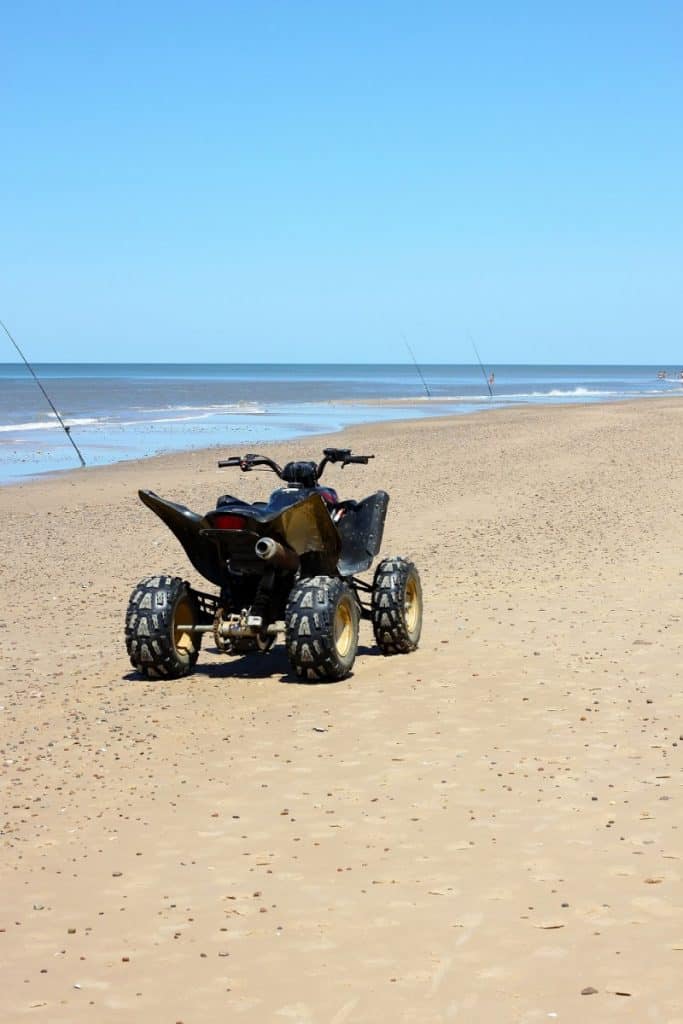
486,830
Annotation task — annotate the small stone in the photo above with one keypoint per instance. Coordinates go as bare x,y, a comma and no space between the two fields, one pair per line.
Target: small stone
588,991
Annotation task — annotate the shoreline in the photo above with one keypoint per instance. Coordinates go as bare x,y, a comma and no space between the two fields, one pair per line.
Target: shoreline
124,411
417,403
492,821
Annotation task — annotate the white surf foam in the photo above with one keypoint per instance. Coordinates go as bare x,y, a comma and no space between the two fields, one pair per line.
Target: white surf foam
52,424
232,409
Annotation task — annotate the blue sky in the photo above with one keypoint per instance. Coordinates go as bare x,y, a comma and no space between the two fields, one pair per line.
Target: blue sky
309,181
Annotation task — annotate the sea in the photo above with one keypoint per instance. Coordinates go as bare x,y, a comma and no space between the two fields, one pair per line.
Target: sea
118,411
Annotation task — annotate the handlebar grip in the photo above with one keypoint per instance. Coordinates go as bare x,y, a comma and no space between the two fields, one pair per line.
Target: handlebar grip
362,459
234,460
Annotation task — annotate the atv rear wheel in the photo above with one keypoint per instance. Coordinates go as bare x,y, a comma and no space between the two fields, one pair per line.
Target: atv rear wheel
396,606
321,627
158,646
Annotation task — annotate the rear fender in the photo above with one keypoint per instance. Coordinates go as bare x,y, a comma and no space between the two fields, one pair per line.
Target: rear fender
187,527
306,527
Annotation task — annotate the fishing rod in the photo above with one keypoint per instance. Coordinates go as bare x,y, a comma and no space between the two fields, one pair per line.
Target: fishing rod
486,376
67,430
417,367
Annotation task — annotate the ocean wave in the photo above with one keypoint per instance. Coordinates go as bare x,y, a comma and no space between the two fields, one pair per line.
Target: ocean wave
193,414
574,393
231,408
185,414
52,424
508,396
162,419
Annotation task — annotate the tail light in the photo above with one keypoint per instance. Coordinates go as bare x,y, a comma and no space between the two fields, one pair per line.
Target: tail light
228,521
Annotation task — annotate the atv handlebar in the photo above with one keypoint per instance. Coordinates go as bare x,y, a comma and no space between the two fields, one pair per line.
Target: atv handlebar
249,462
291,474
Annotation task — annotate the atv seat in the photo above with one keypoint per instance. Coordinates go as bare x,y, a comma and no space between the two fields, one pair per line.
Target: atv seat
229,499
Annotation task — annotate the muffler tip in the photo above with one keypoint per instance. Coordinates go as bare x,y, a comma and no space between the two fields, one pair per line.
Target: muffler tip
265,547
274,553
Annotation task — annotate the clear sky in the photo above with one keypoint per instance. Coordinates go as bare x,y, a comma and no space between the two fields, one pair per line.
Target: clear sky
307,181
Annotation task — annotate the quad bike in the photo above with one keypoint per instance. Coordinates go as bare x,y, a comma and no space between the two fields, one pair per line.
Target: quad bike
287,566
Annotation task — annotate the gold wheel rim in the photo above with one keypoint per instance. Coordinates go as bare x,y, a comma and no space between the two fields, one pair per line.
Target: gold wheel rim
184,614
343,628
411,605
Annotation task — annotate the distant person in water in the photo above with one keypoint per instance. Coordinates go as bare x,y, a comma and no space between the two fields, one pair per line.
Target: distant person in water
492,380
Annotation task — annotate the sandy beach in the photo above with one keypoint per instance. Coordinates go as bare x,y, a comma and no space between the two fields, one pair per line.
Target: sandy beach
487,830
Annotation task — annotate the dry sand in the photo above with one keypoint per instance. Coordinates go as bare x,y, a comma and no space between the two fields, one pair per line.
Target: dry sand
475,832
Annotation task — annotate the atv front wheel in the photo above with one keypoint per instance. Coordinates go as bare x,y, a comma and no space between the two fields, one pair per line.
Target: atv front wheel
158,642
321,627
397,606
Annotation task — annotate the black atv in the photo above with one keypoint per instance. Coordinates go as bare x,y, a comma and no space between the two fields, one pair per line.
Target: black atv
287,566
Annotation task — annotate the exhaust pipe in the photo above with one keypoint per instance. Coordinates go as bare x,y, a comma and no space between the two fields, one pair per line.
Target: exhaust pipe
270,551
